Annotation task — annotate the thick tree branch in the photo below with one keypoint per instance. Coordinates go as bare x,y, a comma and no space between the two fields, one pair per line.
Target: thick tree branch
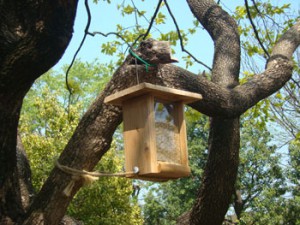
286,45
29,34
223,30
33,37
278,70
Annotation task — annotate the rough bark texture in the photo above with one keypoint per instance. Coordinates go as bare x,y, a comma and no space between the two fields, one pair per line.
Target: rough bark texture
221,169
33,36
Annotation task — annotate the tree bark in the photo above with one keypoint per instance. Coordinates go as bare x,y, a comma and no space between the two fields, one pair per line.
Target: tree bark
33,37
218,181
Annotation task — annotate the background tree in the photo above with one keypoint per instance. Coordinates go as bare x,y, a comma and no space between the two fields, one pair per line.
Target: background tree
280,111
224,101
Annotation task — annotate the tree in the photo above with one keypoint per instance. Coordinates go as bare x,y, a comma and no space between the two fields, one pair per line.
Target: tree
33,37
47,123
259,170
224,100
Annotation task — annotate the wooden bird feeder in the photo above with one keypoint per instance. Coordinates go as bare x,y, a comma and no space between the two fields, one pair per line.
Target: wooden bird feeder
154,130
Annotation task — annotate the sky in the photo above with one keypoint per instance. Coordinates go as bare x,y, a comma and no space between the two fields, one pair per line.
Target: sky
105,17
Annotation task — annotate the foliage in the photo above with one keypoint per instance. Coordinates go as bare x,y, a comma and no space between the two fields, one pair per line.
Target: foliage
107,201
46,126
294,171
267,18
49,117
141,13
276,200
260,175
280,111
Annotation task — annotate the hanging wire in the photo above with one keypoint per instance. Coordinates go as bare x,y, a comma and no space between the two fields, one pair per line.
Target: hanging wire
136,57
136,71
181,39
147,65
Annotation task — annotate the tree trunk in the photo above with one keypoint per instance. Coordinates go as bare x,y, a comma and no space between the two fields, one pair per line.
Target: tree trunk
218,181
10,192
33,37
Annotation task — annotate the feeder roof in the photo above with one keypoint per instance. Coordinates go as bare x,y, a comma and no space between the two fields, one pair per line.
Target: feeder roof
160,92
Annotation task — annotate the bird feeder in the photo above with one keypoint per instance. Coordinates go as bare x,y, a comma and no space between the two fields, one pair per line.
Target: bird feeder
154,130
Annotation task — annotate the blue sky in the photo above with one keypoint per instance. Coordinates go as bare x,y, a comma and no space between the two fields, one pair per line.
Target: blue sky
105,17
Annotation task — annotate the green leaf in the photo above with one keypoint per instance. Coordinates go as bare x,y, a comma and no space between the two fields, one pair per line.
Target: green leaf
160,18
128,10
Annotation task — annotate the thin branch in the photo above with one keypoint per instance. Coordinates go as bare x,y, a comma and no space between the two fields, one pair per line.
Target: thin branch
263,20
140,36
107,34
76,53
180,37
152,19
80,46
254,29
296,82
266,15
255,6
150,23
136,11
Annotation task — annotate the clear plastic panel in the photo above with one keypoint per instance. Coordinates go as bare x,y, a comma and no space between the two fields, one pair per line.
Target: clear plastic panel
167,140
